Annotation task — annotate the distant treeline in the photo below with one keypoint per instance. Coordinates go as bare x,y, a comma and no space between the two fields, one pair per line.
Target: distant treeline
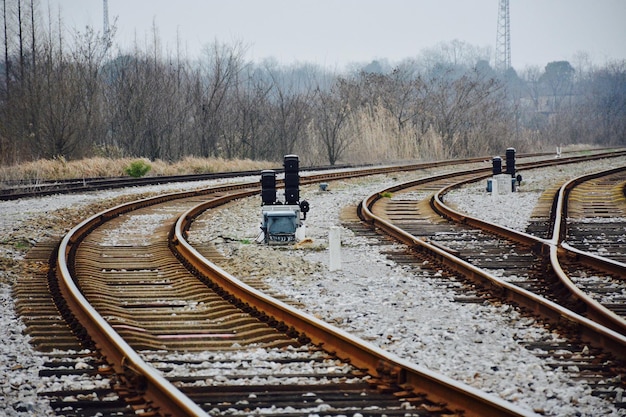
81,97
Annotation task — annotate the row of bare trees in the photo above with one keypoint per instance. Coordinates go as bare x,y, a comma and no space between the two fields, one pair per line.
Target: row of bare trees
71,96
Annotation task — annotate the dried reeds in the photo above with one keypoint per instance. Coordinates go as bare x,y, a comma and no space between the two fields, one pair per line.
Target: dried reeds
59,168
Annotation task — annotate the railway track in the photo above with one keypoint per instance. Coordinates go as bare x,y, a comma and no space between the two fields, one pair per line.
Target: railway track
592,246
114,288
523,269
14,190
566,293
596,213
166,309
127,296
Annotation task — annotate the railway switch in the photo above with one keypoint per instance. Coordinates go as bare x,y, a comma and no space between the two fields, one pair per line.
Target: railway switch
281,220
499,182
280,225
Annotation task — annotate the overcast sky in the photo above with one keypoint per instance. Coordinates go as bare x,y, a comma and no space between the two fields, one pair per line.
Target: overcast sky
333,33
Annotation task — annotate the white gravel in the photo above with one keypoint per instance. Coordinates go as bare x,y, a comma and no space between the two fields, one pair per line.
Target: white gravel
32,220
406,312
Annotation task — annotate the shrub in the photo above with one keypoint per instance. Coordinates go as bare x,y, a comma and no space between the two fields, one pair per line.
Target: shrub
138,168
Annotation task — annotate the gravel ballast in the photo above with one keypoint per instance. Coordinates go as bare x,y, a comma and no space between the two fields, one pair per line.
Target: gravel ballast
405,311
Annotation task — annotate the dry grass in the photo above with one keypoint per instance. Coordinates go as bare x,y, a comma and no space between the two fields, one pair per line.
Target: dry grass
381,139
59,168
370,148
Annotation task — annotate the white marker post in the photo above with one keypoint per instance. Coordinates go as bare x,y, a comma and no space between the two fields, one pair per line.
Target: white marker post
334,246
301,232
494,188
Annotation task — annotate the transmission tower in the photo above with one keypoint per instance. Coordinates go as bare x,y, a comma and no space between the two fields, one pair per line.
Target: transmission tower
106,32
503,38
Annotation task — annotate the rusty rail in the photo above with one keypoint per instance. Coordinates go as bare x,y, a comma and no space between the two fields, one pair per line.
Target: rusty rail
120,355
606,330
158,391
163,396
554,247
359,353
558,248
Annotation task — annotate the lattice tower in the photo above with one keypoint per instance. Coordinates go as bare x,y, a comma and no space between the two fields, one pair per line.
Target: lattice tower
105,27
503,38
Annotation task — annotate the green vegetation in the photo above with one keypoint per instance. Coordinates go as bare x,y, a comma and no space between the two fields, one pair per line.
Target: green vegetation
138,168
386,194
22,244
19,244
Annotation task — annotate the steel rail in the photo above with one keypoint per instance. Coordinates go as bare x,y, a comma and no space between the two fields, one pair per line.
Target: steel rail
594,333
560,229
124,360
159,392
609,330
359,353
13,190
559,248
10,191
599,262
537,244
554,247
164,396
121,356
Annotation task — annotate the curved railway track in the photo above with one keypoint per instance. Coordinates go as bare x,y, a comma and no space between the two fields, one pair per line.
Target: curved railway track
522,268
139,290
550,252
592,237
114,279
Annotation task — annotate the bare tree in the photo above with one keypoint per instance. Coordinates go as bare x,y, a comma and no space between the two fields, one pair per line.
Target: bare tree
453,103
245,134
603,106
61,99
5,96
395,91
558,80
7,71
56,101
289,110
90,51
455,53
213,83
128,102
331,112
532,82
